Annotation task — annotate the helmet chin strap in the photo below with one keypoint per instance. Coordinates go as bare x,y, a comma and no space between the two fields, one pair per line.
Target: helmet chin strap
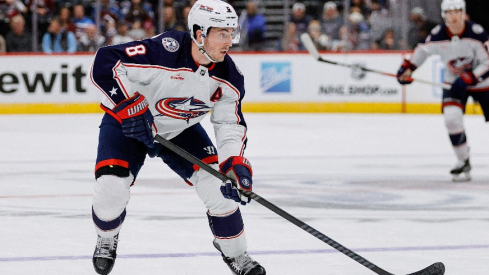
202,50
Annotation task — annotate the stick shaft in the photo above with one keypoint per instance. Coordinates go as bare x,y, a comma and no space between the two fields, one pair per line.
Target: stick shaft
309,229
311,48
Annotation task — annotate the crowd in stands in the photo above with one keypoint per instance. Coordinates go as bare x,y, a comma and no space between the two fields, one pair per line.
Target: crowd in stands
369,24
72,25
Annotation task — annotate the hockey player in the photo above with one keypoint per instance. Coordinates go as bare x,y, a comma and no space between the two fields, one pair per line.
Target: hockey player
463,47
167,84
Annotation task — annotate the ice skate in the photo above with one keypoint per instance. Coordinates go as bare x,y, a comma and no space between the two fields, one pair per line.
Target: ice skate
104,255
461,171
242,264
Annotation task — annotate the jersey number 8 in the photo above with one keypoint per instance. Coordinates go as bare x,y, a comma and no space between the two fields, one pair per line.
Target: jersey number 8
135,50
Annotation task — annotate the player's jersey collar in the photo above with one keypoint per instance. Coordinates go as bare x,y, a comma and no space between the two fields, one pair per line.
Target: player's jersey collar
450,34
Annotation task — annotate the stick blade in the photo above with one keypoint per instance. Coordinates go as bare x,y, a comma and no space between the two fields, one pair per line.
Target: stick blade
307,42
434,269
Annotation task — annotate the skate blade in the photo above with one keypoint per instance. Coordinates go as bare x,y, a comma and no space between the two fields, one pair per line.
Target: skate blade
463,177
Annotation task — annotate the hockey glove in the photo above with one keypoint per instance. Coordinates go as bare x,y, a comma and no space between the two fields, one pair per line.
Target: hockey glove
459,86
404,73
136,119
239,169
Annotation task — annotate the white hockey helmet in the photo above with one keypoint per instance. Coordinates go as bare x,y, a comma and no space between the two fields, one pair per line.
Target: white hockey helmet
447,5
206,14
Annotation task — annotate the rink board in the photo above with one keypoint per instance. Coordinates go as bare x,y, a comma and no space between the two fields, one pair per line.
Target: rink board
274,82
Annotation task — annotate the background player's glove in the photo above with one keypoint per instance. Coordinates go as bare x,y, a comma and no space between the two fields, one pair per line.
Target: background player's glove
239,169
136,119
459,86
405,71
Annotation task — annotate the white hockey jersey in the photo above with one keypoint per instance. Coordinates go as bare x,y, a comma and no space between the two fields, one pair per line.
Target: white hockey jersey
469,51
180,92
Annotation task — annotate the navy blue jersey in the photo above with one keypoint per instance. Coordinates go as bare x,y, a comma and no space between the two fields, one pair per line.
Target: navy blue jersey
180,92
458,53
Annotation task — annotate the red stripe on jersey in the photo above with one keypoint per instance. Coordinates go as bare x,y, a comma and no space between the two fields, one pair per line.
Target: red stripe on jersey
108,162
222,215
110,112
228,238
207,160
452,104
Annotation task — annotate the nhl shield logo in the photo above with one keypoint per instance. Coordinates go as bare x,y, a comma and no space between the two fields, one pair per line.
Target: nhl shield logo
170,44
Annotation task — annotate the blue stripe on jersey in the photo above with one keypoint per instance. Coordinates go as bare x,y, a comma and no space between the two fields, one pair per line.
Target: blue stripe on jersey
458,139
226,227
108,225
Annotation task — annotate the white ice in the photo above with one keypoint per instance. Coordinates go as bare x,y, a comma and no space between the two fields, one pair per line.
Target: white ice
377,184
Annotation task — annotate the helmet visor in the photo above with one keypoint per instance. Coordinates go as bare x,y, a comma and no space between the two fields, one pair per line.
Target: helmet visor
225,34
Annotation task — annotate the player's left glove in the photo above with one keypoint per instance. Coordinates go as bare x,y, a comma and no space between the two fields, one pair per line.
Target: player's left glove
466,78
239,169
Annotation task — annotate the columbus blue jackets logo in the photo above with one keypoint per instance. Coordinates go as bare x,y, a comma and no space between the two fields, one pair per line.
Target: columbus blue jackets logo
170,44
460,64
182,108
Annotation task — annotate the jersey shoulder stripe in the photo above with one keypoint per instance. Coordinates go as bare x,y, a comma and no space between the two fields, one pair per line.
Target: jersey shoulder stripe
472,31
438,33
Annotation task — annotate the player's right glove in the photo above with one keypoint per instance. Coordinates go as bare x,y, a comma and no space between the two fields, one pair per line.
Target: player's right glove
136,118
239,169
405,71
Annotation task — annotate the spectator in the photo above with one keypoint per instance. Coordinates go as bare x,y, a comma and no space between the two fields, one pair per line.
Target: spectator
169,19
183,22
65,20
254,26
358,36
57,39
290,41
137,32
9,8
361,6
91,40
109,15
81,21
107,8
149,29
122,34
379,20
321,40
18,39
420,27
178,5
331,20
341,44
45,10
299,18
387,42
138,11
3,45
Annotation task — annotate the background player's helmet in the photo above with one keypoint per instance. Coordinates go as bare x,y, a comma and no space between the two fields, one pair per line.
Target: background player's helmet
206,14
447,5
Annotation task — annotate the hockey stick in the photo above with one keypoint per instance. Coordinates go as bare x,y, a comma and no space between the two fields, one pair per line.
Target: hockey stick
434,269
307,42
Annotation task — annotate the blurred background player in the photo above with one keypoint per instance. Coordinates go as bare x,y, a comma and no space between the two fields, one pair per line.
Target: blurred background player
462,46
168,84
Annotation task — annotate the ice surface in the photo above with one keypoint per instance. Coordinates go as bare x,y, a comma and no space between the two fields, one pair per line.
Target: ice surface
377,184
